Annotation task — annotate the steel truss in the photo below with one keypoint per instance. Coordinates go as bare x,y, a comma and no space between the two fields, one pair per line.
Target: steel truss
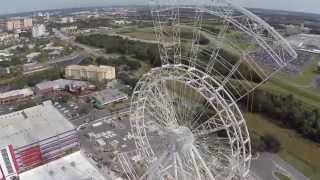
192,99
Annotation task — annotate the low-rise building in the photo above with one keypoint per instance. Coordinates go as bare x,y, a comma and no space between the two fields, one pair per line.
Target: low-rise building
108,96
39,31
6,37
122,22
16,96
91,72
75,166
65,20
70,30
37,135
32,56
53,87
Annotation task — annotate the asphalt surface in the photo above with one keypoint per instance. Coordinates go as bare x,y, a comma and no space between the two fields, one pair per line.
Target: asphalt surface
268,163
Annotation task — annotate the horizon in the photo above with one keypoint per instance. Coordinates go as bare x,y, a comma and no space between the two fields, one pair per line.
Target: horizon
108,6
29,6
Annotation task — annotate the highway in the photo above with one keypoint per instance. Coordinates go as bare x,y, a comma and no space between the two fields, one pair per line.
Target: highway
90,50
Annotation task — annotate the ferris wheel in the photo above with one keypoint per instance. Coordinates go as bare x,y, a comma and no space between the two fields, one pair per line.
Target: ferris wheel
184,115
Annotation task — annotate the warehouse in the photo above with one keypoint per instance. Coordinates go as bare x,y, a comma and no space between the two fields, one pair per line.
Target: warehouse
38,135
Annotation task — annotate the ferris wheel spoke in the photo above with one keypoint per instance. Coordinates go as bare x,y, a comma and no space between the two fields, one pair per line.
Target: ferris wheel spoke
163,105
195,165
176,31
213,124
216,51
196,37
195,154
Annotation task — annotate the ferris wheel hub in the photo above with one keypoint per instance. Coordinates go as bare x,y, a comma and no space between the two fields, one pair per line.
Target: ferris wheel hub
181,139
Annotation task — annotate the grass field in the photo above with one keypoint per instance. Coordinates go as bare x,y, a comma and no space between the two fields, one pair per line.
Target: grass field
281,176
303,154
299,85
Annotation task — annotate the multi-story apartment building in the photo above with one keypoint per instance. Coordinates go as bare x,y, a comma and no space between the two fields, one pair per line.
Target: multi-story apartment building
19,24
91,72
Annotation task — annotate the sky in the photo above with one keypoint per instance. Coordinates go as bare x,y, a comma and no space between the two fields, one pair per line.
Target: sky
14,6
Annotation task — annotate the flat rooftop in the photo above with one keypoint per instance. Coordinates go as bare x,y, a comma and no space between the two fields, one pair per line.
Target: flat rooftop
31,125
23,92
91,68
107,96
72,167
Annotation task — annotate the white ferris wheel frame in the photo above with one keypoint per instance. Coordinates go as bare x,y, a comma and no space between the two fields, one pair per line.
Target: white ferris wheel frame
177,67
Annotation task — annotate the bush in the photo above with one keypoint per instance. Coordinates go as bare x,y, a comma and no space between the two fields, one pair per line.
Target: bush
271,144
266,143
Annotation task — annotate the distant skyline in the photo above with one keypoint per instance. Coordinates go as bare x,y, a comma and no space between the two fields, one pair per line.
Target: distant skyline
17,6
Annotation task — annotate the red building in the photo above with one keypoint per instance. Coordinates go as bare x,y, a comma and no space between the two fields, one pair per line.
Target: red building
38,135
16,96
8,165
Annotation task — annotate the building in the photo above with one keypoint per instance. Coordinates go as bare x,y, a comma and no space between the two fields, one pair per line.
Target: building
53,87
19,24
65,20
122,22
91,72
39,31
32,56
37,135
70,30
16,96
7,38
13,25
108,96
8,164
27,23
72,167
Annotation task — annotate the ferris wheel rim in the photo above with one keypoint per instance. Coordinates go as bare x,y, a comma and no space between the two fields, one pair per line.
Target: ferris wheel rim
246,12
140,131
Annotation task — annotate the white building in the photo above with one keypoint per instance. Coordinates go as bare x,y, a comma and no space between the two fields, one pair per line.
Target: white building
71,29
71,167
39,31
65,20
122,22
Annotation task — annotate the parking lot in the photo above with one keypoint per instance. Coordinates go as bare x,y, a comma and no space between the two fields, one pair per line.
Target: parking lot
104,138
69,110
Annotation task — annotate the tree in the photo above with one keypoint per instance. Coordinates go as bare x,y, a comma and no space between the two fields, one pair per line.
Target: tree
271,143
85,109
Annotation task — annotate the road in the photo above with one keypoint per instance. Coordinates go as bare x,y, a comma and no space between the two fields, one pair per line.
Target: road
90,50
74,58
268,163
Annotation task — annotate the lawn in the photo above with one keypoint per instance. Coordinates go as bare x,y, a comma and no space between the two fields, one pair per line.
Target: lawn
281,176
141,35
299,152
299,85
